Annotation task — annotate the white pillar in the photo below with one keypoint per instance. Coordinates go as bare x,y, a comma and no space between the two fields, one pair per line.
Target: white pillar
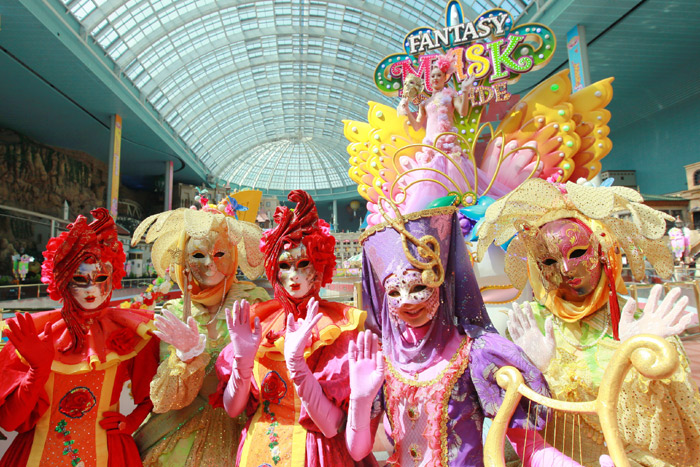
168,188
335,215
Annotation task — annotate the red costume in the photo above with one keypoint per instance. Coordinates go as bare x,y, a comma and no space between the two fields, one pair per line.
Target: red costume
63,370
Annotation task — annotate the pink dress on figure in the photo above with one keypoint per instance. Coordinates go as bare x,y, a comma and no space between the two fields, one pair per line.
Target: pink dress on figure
439,118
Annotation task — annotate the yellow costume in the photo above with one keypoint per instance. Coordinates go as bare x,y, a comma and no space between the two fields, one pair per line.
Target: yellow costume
184,429
659,421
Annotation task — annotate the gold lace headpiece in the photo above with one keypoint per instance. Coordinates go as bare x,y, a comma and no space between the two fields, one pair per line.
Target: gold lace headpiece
166,229
537,202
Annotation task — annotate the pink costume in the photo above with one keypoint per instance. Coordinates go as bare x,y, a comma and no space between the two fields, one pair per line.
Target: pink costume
296,401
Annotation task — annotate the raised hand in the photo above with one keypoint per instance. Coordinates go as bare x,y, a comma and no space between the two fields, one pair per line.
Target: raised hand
467,81
298,334
244,342
667,319
186,338
366,367
37,351
324,414
523,329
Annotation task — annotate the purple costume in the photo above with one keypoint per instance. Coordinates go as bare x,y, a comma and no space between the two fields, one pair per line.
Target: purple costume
437,416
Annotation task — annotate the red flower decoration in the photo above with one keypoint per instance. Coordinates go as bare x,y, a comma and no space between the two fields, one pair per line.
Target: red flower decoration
273,387
122,341
77,402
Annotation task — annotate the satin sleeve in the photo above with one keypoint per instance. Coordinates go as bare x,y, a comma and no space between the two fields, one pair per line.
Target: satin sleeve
331,368
489,353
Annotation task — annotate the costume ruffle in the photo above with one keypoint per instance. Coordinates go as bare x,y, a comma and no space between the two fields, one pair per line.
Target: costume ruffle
116,335
337,318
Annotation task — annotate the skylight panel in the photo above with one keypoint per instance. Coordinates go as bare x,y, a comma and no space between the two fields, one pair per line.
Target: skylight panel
198,73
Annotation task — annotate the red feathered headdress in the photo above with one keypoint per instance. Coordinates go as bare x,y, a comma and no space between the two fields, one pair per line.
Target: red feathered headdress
300,226
82,242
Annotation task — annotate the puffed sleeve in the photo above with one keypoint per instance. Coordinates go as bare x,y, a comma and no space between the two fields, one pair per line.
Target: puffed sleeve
331,368
489,353
662,416
177,383
223,369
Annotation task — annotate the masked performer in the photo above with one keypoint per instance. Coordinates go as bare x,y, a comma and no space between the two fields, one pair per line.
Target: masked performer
569,245
440,348
291,370
203,249
63,371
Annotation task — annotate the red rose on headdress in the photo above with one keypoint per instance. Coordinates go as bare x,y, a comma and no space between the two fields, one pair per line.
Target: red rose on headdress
122,341
77,402
273,387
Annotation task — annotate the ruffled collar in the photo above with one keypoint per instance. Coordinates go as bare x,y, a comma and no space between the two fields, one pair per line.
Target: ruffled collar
337,318
114,335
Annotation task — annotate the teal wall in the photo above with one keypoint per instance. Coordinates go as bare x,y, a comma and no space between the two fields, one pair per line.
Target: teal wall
658,147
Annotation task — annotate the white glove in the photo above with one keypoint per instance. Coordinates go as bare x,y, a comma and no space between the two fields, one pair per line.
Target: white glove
523,329
668,319
186,339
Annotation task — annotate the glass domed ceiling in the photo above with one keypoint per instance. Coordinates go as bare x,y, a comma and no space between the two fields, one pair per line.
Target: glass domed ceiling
258,89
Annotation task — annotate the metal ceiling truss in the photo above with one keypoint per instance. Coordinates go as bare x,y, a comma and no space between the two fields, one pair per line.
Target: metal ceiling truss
248,84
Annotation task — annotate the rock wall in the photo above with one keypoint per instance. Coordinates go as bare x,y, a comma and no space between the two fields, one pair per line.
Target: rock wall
39,178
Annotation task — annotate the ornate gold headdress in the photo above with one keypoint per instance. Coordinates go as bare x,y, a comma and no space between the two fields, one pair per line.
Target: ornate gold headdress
167,228
427,246
538,202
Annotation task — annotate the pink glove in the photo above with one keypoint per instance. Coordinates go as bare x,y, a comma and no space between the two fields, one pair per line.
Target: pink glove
534,451
244,346
324,414
366,378
186,339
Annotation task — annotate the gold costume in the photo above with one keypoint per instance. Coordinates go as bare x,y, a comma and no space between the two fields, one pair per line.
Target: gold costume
659,421
184,429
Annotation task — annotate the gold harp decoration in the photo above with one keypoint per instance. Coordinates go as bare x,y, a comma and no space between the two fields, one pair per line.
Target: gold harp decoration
652,356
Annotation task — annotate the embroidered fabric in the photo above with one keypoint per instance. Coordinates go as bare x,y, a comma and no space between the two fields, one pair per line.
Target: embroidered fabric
418,412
